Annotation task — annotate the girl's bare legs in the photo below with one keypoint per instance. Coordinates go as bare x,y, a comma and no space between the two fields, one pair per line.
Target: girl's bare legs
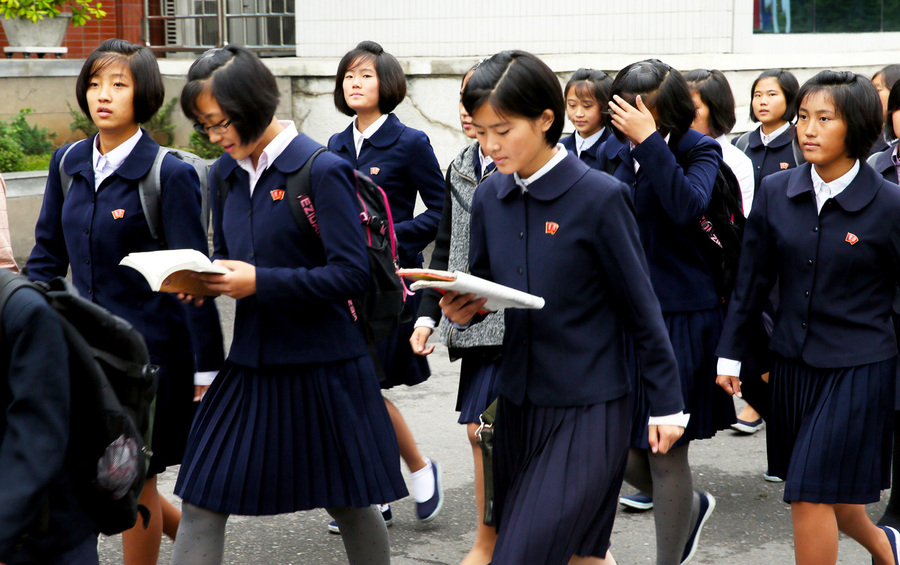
140,546
815,533
854,522
485,536
409,451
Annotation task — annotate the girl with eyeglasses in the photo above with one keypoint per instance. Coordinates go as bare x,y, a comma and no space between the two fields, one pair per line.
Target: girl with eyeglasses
671,169
295,420
100,220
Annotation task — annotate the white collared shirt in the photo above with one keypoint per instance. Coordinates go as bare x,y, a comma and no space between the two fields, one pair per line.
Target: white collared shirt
548,166
825,190
269,154
484,161
107,164
766,139
359,136
582,143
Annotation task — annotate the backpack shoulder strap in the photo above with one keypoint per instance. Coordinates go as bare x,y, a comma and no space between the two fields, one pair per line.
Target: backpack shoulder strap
149,188
798,153
65,179
9,283
743,141
298,186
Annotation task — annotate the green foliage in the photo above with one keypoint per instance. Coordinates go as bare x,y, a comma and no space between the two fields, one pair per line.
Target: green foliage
11,154
35,140
201,146
36,162
80,122
160,126
35,10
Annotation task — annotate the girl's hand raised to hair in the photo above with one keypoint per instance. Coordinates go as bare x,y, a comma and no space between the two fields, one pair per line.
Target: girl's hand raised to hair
239,283
635,123
461,308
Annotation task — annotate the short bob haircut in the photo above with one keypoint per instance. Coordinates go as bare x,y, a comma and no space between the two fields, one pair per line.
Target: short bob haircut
855,101
241,84
149,91
517,83
890,75
660,87
789,87
890,134
589,83
391,79
715,93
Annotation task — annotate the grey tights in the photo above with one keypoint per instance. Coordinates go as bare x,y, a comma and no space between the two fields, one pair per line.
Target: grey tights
201,536
675,504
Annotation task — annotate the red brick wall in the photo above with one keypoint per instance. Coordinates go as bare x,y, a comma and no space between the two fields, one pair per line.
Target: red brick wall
123,20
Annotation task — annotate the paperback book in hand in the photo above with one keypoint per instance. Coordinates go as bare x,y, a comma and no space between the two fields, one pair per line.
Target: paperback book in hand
172,270
498,296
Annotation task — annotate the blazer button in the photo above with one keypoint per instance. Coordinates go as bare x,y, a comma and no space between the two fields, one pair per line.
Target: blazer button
521,234
809,261
806,293
816,229
520,270
803,325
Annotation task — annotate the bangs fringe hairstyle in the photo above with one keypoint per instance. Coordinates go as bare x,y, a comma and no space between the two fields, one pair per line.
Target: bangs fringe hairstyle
789,87
391,78
715,93
892,106
590,83
661,87
517,83
855,101
149,91
890,75
242,86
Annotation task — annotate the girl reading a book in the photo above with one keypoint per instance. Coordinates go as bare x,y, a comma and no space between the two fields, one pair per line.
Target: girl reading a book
564,412
295,420
99,219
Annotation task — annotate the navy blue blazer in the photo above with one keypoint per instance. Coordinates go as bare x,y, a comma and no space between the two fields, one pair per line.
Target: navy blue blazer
670,194
299,313
34,433
775,157
837,271
84,232
589,155
401,161
572,240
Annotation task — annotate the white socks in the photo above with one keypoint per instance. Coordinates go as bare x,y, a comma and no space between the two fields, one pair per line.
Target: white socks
423,482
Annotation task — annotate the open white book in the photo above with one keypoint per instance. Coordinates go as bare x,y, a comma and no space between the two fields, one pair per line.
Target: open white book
498,296
170,270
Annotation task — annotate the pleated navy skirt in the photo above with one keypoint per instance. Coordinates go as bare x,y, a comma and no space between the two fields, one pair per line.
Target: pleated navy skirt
477,378
283,439
694,337
401,365
175,409
832,431
557,474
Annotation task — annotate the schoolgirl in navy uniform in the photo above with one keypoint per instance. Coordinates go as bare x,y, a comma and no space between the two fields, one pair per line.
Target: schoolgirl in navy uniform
884,81
478,348
587,93
100,220
369,84
828,232
887,164
295,419
771,146
671,169
552,226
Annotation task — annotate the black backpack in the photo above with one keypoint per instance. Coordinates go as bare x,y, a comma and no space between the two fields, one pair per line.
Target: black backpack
113,394
720,229
150,187
380,309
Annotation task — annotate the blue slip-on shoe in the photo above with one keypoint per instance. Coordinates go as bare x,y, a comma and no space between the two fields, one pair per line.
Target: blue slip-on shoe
748,428
428,510
893,537
707,505
772,478
385,513
640,501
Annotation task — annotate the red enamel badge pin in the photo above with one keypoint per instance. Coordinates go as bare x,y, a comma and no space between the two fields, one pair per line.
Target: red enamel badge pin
118,214
277,194
374,170
851,239
551,227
